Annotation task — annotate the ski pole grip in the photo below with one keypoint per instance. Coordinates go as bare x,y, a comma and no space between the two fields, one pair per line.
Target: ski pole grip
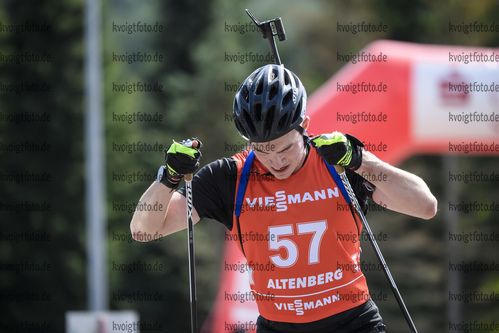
191,144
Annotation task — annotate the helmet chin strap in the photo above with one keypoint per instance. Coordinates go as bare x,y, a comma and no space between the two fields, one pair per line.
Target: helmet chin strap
302,131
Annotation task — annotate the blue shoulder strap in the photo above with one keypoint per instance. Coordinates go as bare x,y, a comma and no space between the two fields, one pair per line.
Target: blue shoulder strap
338,181
243,182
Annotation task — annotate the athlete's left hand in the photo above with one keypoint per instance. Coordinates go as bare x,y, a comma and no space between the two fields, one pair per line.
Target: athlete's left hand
339,149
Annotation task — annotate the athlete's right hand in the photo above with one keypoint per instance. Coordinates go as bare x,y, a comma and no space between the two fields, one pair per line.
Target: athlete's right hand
339,149
181,158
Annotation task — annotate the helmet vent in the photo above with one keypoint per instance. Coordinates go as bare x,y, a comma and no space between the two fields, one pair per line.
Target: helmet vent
245,93
287,79
257,115
259,88
274,74
273,92
298,113
248,121
269,118
283,122
287,98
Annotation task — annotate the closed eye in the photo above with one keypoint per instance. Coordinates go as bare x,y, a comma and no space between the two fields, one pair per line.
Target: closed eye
285,149
257,148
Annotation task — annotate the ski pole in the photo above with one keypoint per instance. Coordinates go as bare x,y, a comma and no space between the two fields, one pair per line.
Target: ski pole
374,244
190,237
269,33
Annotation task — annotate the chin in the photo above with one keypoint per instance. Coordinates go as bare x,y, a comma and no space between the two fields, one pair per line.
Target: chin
283,175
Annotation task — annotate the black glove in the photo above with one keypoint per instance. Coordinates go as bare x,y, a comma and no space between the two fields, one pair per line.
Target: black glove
339,149
181,158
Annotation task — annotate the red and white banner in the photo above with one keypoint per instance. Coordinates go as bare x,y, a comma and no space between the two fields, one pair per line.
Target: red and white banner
433,99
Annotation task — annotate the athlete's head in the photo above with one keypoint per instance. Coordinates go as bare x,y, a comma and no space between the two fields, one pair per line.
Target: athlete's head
270,103
268,106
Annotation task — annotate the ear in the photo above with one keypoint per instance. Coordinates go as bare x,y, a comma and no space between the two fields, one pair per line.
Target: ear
305,123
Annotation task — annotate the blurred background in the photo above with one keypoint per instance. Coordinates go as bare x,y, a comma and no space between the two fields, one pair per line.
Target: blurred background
192,68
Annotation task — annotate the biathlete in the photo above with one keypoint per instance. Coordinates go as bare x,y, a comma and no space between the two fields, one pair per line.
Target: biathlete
288,193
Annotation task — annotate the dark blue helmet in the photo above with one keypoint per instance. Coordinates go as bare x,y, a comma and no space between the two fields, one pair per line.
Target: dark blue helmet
269,104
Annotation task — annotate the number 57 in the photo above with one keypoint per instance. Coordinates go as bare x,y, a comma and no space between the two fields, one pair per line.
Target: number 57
278,240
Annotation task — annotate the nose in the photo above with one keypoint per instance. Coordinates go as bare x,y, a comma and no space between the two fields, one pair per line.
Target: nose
277,162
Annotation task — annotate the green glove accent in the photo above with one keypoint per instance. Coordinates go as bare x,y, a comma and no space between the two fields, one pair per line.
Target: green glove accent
171,171
337,149
178,147
328,139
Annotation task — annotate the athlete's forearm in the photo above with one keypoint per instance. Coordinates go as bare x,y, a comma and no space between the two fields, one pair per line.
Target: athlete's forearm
160,212
149,216
399,190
